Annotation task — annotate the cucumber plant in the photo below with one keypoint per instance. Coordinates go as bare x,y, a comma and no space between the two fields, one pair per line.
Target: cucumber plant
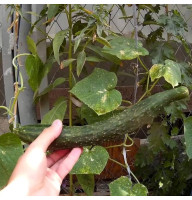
88,41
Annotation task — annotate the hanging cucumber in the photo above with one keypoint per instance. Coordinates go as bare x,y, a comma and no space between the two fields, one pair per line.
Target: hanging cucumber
111,129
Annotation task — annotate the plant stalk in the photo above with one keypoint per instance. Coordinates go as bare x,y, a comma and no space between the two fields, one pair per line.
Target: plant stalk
70,65
69,17
148,90
142,64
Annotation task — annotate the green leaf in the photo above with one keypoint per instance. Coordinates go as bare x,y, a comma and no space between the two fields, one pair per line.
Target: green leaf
160,51
31,45
123,187
155,142
188,135
52,10
79,38
123,11
159,137
91,116
48,65
175,131
66,63
139,190
97,91
57,112
186,74
10,150
170,71
103,41
81,58
77,42
144,156
91,161
87,183
147,7
125,48
156,71
173,23
94,59
175,110
57,82
57,42
106,56
35,70
99,29
154,36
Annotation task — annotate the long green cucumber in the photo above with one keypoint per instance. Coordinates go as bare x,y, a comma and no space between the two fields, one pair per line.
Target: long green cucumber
111,129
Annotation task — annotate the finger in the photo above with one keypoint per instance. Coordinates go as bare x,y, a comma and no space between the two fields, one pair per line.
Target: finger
47,136
65,165
57,155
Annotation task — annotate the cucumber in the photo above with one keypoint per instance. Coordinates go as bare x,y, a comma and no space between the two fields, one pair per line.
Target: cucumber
112,129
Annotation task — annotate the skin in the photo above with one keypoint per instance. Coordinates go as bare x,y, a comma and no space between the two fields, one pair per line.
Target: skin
38,174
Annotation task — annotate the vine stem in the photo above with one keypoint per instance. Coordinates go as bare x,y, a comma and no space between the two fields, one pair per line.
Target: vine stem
124,144
69,17
148,90
128,102
13,110
7,109
142,64
70,65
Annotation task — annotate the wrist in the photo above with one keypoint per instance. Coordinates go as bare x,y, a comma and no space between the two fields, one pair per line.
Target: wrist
13,189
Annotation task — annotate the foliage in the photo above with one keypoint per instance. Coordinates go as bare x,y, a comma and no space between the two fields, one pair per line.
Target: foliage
97,91
161,165
92,161
123,187
10,150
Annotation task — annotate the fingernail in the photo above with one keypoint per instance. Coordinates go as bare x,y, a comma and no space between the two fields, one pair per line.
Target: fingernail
57,123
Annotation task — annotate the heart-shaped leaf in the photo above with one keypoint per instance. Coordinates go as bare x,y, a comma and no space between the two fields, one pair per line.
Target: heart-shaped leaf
125,48
87,183
156,71
173,73
170,71
57,112
123,187
97,91
91,161
10,150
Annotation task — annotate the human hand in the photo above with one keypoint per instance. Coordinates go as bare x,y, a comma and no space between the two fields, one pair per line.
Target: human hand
37,174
